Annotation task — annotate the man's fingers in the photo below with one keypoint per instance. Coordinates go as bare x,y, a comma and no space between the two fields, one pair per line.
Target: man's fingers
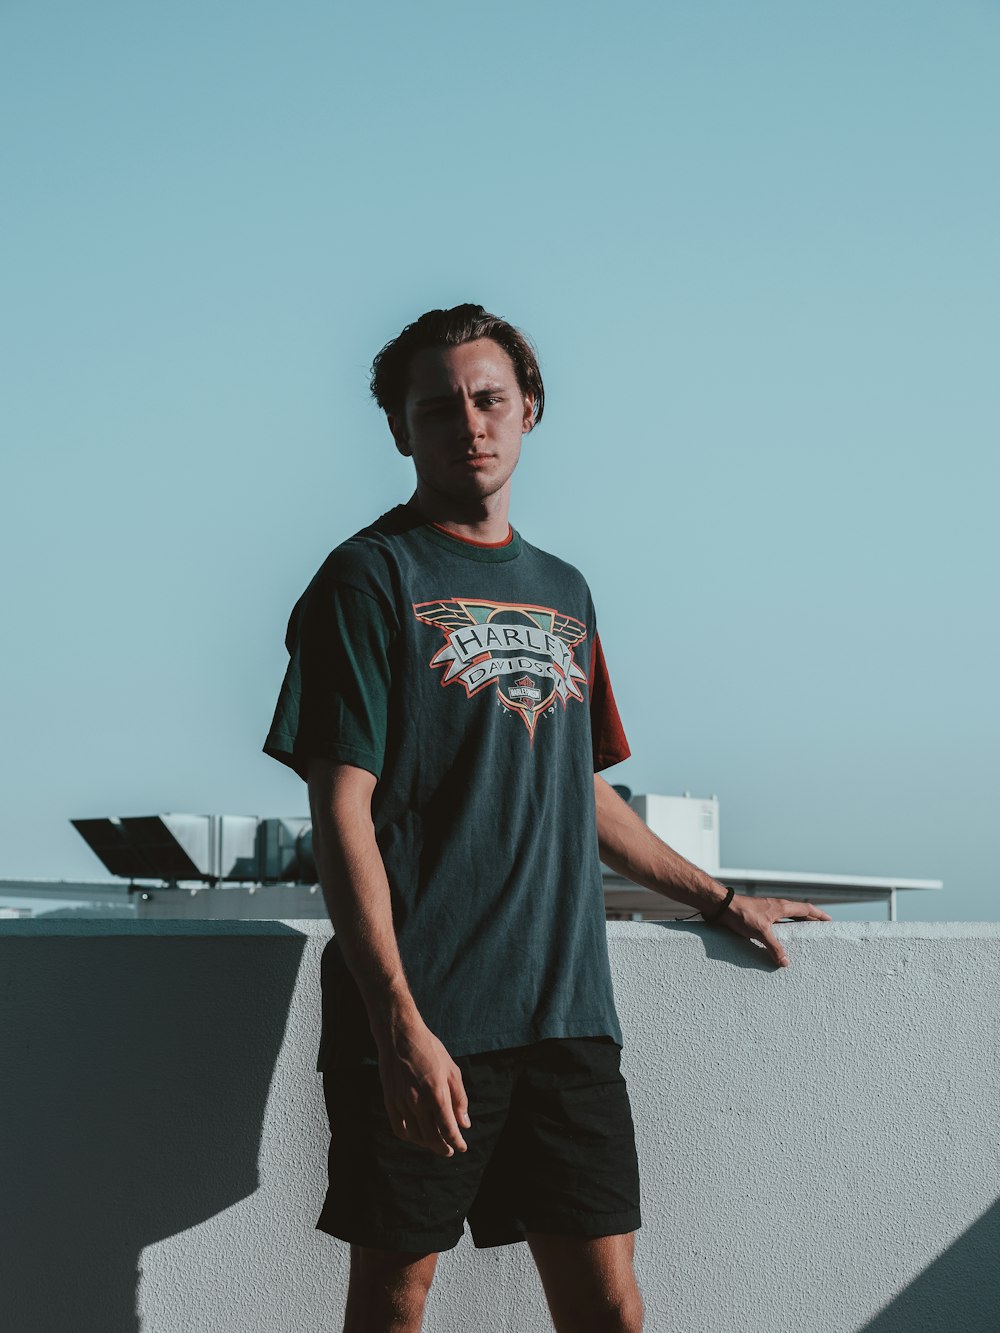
774,946
427,1115
755,917
397,1121
424,1093
459,1100
447,1124
797,911
428,1121
404,1120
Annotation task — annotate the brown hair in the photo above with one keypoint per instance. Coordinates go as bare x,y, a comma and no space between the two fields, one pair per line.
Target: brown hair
450,328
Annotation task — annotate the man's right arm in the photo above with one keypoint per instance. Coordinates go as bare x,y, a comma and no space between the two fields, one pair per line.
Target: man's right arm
424,1095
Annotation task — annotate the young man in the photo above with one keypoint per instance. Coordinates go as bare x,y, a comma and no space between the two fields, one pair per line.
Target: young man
448,704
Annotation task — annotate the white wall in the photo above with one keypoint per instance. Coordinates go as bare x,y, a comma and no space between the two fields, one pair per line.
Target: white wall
819,1146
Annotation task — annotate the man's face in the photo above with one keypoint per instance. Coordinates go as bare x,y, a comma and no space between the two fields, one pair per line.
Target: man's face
463,420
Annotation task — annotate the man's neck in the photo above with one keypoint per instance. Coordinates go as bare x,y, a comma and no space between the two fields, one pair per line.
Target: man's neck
486,521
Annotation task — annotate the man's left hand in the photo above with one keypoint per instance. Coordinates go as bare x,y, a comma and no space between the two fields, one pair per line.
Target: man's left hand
753,918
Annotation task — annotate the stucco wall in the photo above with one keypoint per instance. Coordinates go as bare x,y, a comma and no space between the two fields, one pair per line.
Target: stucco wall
819,1146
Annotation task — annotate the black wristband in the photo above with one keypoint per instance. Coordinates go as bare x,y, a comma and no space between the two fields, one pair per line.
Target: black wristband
711,920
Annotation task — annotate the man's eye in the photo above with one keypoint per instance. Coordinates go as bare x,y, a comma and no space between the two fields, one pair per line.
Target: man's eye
490,400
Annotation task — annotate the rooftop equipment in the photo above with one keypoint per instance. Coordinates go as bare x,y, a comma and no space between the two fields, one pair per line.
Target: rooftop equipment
242,867
210,848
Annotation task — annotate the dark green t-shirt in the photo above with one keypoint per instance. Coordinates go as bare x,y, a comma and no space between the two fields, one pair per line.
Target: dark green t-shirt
469,680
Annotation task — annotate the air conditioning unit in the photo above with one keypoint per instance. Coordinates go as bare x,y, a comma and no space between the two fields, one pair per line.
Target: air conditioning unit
690,824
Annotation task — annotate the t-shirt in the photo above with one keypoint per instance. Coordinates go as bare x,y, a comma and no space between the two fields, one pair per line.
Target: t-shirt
470,681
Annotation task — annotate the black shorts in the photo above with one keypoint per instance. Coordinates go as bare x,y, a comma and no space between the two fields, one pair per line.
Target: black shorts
551,1149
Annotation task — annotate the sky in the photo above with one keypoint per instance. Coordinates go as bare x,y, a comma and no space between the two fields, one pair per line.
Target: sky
757,248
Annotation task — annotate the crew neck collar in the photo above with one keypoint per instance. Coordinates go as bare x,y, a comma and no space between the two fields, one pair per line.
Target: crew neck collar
485,552
471,541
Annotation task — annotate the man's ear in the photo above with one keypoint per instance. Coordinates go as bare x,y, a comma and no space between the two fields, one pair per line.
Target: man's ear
529,413
398,428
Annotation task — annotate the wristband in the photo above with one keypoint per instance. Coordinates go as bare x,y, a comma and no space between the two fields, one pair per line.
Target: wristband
711,920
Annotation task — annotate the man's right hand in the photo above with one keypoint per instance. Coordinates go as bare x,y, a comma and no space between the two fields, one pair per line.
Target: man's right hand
423,1090
421,1084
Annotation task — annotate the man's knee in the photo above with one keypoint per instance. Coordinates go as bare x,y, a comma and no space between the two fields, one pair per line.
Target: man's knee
590,1284
630,1312
622,1312
388,1290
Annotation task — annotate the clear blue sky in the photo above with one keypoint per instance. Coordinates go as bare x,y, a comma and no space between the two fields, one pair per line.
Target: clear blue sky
758,248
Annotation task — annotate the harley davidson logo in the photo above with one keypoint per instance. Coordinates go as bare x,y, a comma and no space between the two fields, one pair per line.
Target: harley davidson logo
489,642
524,689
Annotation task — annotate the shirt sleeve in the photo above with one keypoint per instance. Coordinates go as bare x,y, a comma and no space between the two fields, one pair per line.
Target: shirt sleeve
334,698
610,744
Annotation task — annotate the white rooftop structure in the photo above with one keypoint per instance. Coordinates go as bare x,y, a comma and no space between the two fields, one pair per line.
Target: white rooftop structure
690,824
239,867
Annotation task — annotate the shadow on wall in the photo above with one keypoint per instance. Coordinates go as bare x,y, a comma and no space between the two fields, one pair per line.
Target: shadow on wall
722,946
959,1291
135,1066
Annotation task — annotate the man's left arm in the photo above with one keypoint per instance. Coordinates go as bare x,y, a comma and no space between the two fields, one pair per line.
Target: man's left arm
630,848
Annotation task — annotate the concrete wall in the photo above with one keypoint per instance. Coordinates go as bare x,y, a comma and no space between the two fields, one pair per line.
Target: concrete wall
819,1146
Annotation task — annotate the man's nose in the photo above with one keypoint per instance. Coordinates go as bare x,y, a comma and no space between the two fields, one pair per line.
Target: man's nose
472,424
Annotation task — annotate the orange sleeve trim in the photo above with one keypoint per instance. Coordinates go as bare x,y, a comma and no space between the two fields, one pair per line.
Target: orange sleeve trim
610,743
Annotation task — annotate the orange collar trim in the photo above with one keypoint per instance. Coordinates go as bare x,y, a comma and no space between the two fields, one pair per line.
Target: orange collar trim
470,541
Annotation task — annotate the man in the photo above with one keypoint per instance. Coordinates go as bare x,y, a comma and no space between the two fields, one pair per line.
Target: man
448,703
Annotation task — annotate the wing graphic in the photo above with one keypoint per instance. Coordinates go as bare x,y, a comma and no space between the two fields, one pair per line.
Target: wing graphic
569,630
445,615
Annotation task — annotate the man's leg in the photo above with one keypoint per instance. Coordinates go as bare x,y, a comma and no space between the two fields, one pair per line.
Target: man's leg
589,1283
388,1290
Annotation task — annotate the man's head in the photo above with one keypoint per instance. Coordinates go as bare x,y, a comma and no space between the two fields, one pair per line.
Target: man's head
459,388
468,323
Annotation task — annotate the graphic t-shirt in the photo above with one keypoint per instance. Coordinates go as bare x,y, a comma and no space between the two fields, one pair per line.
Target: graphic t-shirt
470,681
